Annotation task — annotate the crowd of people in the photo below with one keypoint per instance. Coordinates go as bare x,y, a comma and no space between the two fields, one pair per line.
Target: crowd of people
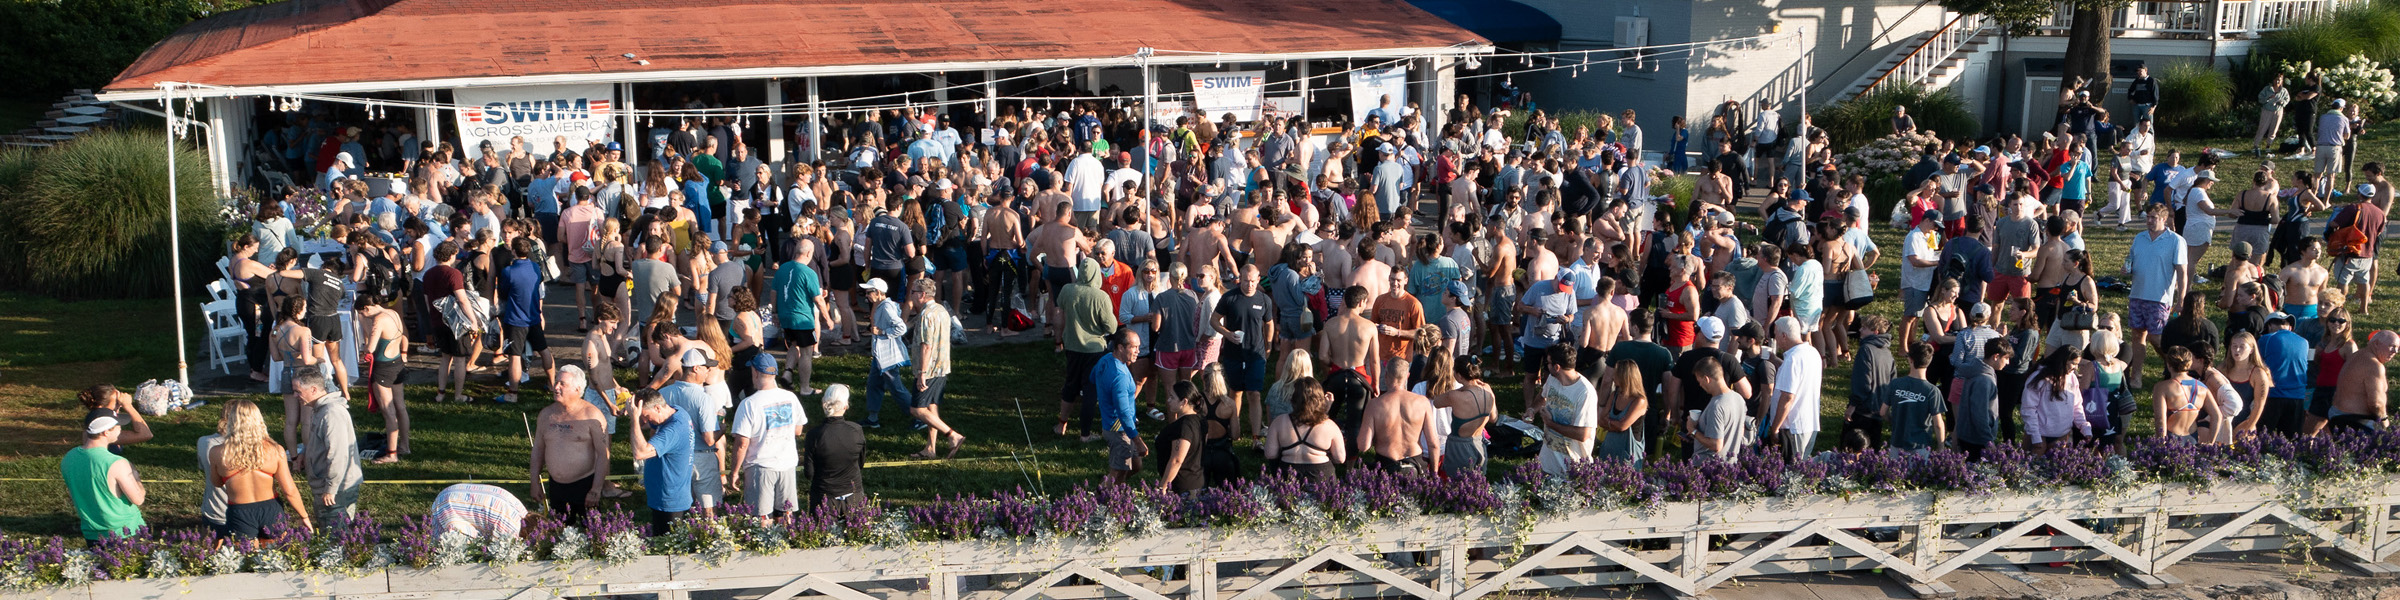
1334,306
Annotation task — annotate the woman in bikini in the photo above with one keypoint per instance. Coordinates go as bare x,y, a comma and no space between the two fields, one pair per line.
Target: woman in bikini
253,471
2180,400
1218,410
2333,352
297,349
1306,442
1471,406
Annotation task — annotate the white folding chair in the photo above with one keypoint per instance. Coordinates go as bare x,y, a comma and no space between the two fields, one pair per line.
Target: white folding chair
223,327
225,268
219,292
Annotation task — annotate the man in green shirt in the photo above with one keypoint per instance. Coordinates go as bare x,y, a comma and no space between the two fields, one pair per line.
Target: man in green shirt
714,169
799,298
107,492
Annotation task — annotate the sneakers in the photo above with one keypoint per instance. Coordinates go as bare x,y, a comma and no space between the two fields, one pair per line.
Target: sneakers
505,398
872,425
1156,415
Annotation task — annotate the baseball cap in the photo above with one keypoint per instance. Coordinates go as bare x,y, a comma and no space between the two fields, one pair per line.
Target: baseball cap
698,358
981,181
2279,316
1980,311
717,247
1712,328
100,424
2338,103
941,184
1391,149
1465,295
2241,249
877,285
616,147
763,362
344,158
2366,189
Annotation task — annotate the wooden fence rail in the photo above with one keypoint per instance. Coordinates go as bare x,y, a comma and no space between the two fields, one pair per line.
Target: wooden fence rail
1686,548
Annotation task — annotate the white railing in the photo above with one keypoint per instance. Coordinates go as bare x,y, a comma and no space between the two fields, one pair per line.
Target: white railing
1919,64
2198,19
1685,547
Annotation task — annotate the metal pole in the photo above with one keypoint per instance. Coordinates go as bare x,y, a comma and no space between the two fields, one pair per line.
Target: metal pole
183,368
816,124
1142,58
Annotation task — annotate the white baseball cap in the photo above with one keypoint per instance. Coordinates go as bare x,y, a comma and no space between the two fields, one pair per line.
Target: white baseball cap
1712,328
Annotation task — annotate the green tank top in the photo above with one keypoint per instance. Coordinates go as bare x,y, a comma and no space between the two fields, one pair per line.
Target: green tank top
102,513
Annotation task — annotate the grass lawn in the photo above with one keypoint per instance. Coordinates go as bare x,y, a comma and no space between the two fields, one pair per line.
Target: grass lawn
1001,396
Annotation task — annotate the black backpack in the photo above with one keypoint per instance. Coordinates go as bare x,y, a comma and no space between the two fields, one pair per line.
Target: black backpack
382,278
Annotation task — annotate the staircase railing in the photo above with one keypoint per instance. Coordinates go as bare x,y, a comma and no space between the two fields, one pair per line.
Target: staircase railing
1920,63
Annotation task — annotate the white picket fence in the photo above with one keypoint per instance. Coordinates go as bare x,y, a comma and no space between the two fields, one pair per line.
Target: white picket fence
1686,548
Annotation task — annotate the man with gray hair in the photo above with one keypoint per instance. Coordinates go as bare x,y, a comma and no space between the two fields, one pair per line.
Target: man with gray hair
1798,386
570,443
837,450
329,455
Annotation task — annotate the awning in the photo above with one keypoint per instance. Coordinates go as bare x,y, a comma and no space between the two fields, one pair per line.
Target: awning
1501,21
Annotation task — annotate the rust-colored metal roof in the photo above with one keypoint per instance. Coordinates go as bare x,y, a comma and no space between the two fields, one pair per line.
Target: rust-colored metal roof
302,42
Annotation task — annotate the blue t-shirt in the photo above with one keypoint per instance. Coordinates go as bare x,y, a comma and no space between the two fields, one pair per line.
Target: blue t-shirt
2154,261
667,477
692,402
796,292
695,197
2286,356
520,294
2078,184
543,195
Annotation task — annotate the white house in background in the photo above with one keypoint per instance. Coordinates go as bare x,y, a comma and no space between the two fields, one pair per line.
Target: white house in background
1821,51
1812,49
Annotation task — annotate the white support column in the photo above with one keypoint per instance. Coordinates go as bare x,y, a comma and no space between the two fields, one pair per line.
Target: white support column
775,131
1091,79
225,142
429,121
1428,92
816,122
941,88
1304,97
991,98
636,141
1445,90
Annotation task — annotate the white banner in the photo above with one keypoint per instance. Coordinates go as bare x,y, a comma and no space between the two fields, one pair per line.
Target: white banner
1368,87
582,113
1284,106
1237,92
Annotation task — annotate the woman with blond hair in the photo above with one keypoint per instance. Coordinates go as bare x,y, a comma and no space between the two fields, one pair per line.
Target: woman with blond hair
253,471
1220,412
1278,401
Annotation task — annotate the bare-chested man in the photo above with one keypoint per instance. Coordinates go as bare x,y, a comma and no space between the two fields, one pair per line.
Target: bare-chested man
2359,398
2304,280
570,443
1540,263
1003,255
1603,321
1205,244
1395,425
1266,242
1372,274
1058,244
381,333
1348,341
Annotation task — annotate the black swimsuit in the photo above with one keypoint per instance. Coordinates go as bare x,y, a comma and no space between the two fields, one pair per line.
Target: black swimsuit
1323,470
1217,460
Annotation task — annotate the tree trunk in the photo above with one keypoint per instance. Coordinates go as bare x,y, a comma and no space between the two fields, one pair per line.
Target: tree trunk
2087,47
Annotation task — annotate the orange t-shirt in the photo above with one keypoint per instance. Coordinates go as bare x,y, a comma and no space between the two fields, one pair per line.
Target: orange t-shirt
1398,310
1118,279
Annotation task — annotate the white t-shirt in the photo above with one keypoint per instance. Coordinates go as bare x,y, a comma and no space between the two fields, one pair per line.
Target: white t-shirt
771,420
1575,404
1922,246
2198,225
1802,375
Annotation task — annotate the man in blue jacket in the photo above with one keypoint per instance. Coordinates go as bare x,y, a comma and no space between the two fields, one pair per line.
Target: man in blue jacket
1112,382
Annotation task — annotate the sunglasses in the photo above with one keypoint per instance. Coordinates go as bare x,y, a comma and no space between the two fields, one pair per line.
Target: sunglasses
2338,321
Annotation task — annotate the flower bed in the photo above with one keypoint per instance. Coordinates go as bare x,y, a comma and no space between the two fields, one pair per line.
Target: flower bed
1116,526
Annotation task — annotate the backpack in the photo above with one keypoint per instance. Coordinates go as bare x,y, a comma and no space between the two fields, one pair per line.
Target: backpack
2347,239
382,278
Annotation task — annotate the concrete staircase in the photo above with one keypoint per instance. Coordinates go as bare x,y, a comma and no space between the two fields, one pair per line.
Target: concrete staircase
73,115
1932,59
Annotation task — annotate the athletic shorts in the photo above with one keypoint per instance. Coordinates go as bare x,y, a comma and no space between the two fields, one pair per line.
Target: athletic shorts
387,372
327,329
2146,315
2005,287
1912,301
771,490
578,273
707,486
1245,371
1532,360
1124,452
1179,360
2346,271
515,340
800,338
931,395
